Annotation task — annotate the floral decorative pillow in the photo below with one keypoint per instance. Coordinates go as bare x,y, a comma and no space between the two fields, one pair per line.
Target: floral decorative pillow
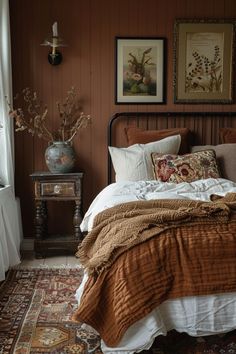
225,158
185,168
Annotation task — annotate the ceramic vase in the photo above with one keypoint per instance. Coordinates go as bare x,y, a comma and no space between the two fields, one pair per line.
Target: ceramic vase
60,157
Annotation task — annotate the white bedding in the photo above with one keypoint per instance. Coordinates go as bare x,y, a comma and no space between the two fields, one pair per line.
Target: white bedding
121,192
197,316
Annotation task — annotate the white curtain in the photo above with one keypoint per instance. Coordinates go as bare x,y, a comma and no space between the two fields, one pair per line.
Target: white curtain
10,221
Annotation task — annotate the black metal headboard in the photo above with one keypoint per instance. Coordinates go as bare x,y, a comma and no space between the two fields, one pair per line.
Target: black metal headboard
199,121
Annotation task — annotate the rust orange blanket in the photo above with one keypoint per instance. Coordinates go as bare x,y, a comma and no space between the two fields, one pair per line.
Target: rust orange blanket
125,225
193,258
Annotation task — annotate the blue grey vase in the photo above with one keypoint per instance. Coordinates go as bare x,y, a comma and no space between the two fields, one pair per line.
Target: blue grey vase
60,157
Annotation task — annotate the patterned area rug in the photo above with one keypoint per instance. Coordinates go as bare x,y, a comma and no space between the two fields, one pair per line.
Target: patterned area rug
35,311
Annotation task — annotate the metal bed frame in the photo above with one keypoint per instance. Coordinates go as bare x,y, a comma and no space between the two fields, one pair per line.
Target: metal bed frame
139,115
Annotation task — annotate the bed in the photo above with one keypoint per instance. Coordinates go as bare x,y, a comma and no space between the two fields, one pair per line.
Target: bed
160,253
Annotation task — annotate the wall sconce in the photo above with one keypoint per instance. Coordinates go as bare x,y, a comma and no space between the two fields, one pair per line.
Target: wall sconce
54,57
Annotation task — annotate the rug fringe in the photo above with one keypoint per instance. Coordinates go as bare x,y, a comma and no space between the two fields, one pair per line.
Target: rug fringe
46,266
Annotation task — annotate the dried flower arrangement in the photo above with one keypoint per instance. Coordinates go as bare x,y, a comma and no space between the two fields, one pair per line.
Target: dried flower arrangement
34,122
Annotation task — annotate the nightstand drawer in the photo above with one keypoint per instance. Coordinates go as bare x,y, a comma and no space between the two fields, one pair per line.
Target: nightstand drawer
60,189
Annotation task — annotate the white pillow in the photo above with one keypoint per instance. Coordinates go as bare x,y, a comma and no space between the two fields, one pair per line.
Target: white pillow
134,162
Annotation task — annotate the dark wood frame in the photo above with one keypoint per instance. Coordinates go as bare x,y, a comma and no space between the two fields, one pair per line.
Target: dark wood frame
139,99
181,28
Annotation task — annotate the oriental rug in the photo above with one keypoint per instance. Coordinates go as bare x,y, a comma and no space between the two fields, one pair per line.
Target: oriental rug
35,313
35,317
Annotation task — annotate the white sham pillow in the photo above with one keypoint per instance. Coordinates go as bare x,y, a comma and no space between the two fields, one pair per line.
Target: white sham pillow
134,163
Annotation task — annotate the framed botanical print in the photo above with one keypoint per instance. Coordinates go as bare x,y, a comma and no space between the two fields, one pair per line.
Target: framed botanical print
139,70
203,61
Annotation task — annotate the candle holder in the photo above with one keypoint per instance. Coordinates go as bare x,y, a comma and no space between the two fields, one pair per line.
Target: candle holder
54,56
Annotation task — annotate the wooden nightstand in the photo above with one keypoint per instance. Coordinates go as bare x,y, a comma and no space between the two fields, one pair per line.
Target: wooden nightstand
56,187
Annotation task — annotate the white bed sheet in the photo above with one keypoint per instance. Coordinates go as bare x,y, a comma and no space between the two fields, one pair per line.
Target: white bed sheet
197,316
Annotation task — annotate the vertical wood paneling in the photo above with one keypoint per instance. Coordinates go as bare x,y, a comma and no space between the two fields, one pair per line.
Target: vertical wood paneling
90,27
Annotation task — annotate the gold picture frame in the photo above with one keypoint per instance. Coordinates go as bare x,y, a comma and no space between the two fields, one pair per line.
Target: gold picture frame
203,61
140,70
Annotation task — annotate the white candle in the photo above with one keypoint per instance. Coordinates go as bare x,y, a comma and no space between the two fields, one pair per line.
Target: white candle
54,30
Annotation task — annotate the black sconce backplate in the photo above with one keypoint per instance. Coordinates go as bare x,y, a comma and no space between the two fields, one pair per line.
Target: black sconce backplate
55,59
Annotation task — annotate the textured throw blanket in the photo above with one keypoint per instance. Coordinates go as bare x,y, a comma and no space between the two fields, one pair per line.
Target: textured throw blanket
123,226
195,257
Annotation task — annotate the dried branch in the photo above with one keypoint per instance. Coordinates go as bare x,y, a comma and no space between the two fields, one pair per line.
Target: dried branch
72,119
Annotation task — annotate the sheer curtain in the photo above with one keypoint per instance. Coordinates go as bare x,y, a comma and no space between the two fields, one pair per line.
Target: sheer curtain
10,221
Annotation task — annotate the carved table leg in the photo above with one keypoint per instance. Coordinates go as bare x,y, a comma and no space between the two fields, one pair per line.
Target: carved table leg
39,225
44,213
77,220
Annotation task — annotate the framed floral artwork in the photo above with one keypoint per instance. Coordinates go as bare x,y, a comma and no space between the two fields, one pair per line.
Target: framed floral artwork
203,61
140,70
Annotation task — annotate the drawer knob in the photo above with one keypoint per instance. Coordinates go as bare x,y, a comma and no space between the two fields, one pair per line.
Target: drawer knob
57,189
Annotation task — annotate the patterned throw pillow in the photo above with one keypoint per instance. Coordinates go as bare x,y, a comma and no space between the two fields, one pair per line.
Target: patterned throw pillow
225,158
185,168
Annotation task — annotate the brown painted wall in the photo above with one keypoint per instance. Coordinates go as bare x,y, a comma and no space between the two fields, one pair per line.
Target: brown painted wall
89,27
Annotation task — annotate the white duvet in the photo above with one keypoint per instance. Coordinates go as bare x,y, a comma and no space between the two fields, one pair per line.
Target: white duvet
197,316
121,192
